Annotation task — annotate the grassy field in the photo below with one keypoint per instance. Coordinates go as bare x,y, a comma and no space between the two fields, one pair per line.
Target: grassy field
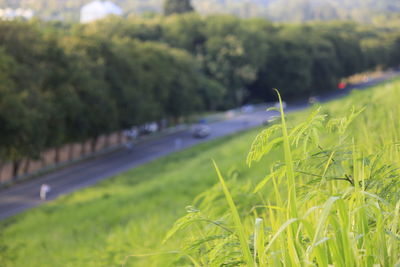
325,192
130,213
332,198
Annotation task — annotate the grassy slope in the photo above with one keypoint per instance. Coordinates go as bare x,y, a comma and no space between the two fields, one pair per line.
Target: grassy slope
130,213
347,209
98,226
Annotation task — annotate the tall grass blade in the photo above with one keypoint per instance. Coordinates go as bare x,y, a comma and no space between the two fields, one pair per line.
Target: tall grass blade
236,219
289,163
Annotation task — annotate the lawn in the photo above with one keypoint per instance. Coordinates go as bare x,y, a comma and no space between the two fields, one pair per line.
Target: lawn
131,213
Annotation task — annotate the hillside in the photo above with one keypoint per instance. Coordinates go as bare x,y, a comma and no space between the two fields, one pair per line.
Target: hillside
280,10
131,213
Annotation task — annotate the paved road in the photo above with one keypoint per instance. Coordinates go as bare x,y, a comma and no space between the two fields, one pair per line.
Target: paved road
26,195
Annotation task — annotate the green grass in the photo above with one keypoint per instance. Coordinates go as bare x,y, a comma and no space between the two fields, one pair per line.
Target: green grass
331,199
306,159
128,214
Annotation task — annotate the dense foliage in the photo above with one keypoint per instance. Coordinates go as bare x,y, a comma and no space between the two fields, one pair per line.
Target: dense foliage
67,83
177,7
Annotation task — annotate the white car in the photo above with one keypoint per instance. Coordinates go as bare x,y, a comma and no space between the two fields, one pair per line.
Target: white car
247,109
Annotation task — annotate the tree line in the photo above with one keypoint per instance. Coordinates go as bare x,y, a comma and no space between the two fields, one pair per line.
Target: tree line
63,83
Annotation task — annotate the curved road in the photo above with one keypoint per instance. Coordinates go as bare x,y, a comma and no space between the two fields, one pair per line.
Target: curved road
23,196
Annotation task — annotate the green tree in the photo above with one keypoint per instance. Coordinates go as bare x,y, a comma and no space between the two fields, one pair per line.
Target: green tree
22,120
24,103
131,84
228,57
97,113
186,31
395,53
177,7
212,93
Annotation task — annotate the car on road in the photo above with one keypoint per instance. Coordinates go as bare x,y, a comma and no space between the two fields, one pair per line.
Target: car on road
342,85
201,131
313,100
247,109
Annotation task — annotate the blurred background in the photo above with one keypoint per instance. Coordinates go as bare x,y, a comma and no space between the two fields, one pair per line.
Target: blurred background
89,89
76,72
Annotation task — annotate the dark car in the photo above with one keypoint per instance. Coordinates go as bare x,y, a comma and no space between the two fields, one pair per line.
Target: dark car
201,131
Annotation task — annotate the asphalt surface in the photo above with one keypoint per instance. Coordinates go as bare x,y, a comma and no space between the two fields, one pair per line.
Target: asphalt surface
25,195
